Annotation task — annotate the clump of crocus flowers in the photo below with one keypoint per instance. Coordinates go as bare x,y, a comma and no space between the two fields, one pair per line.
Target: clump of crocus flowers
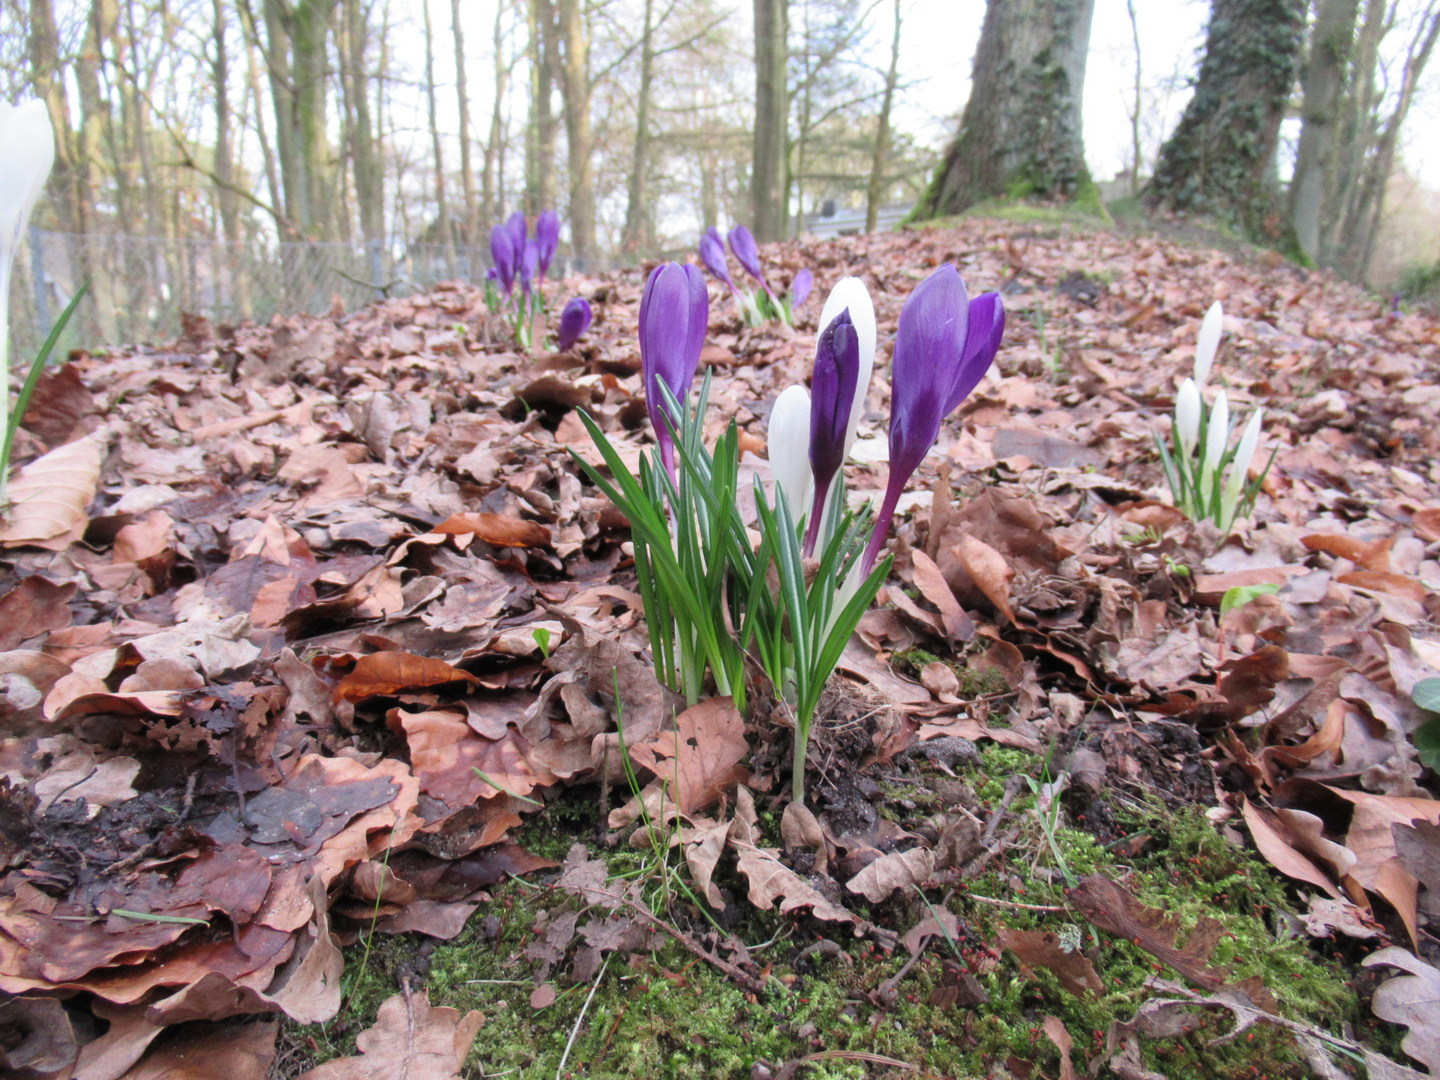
520,259
756,305
1209,478
712,596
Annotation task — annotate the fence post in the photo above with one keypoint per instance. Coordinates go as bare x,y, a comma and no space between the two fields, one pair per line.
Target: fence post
377,276
42,292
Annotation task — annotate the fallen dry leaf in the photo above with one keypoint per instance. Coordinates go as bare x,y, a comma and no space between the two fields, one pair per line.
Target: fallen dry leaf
49,497
1413,1000
1044,949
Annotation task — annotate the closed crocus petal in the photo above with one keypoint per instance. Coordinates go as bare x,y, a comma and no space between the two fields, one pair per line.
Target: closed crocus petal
1240,468
837,363
529,264
787,441
29,143
850,294
1217,437
800,288
574,321
982,341
929,353
516,225
712,254
742,243
1187,415
547,235
1208,342
674,311
502,250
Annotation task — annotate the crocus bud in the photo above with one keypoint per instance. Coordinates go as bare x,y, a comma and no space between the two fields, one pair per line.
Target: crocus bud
516,225
933,369
1217,436
674,312
712,254
1187,416
982,342
502,250
529,264
29,142
1209,340
850,294
800,288
547,236
837,366
787,441
742,243
574,321
1240,468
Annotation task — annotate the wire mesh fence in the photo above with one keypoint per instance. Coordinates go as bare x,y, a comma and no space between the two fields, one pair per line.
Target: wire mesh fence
139,286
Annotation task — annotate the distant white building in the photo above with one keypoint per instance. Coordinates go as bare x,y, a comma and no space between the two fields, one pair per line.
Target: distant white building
835,220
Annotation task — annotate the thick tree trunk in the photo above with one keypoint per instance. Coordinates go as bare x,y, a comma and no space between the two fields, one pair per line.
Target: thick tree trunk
569,49
462,94
1021,133
540,135
772,118
1324,82
637,212
442,210
876,190
299,63
493,169
225,200
1359,128
365,157
1220,160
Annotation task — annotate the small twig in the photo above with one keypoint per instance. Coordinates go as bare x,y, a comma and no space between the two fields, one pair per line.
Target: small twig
1015,904
1013,787
575,1031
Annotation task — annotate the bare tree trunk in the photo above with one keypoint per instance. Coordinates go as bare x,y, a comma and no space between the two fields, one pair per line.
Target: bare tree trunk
490,195
224,152
298,63
49,82
768,178
1324,82
541,133
876,190
366,161
1220,159
637,214
462,94
569,50
1020,134
267,149
1136,103
442,213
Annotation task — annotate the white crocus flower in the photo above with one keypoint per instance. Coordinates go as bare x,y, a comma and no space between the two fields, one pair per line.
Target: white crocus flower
1240,469
1217,438
1208,342
1187,416
851,293
788,444
27,151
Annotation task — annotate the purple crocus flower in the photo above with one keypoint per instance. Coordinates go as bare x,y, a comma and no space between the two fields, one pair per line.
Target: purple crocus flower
529,264
502,250
547,234
832,389
516,224
574,321
674,313
712,254
800,288
936,364
742,243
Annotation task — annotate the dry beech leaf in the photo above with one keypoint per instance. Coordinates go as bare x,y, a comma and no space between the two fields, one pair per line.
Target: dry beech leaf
232,1051
1366,554
385,674
48,497
1043,949
1412,1000
700,760
989,570
411,1040
498,530
1275,843
1055,1031
1426,523
897,871
770,879
936,589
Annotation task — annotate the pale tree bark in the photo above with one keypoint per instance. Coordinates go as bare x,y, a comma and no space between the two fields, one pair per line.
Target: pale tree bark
569,49
1220,160
637,213
366,160
493,176
48,79
768,179
442,212
1136,103
1359,129
541,133
1324,82
876,190
225,200
1020,134
462,94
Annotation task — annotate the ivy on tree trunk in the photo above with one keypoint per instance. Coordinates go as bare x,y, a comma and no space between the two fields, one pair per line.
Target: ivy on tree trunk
1220,161
1021,133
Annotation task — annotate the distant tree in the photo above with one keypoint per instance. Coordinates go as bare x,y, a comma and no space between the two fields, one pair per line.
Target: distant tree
1021,129
1220,161
768,181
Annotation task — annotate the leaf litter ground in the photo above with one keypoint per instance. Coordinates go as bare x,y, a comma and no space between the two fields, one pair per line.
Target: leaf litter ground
319,652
